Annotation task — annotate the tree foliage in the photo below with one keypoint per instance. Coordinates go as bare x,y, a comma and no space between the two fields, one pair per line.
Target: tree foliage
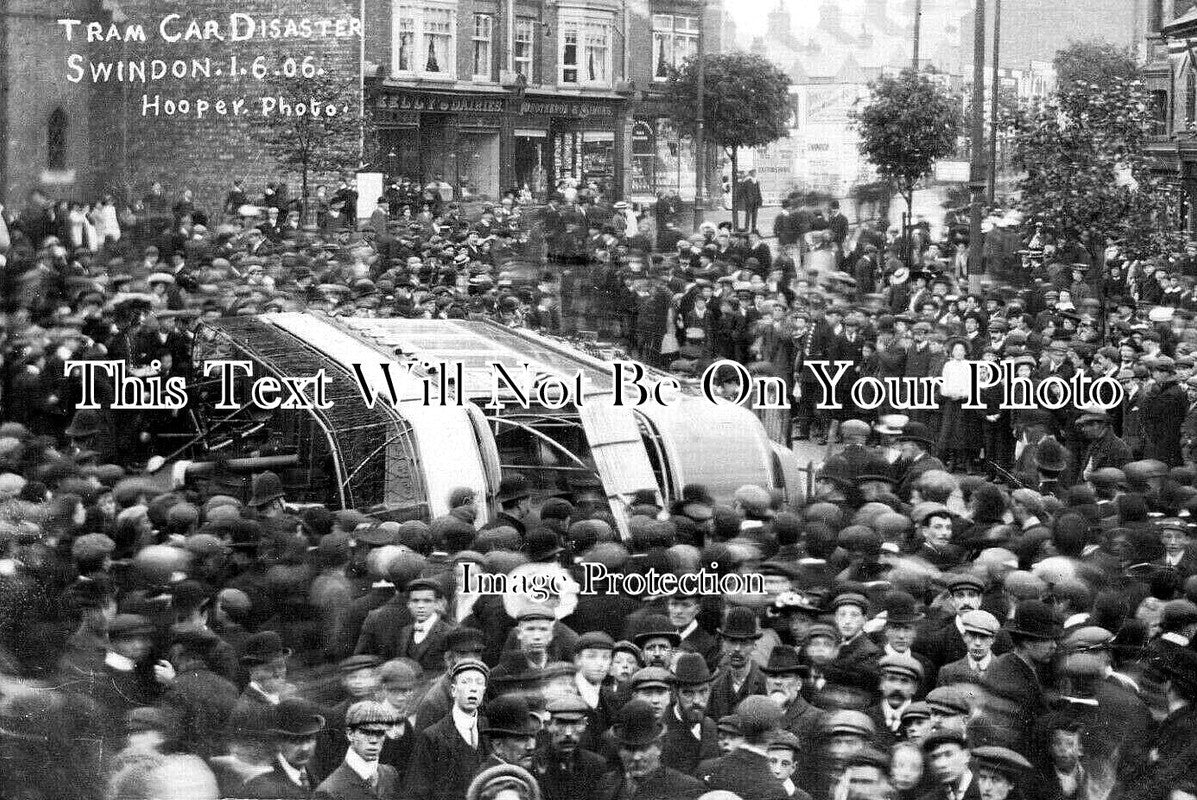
1095,61
746,101
1085,167
311,145
908,124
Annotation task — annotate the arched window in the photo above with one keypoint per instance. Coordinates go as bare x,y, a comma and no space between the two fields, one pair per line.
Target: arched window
56,140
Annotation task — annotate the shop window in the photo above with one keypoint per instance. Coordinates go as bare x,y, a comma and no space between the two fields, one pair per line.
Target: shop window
675,38
424,39
525,47
56,141
483,25
586,50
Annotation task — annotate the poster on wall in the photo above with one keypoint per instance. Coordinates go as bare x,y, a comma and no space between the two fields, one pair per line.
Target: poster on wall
774,164
675,160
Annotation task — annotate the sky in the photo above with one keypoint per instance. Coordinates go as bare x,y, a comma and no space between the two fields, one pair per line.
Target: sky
1034,28
750,15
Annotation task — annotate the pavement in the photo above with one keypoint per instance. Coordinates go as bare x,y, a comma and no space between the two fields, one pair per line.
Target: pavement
927,204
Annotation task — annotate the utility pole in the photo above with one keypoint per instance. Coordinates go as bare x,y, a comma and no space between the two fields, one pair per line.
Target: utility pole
918,25
993,100
976,183
700,155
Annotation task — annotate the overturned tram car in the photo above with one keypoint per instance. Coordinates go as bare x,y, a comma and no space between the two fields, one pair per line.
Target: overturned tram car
402,424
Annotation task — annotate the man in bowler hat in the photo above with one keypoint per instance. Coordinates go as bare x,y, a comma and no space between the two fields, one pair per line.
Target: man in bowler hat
738,676
293,730
690,735
641,775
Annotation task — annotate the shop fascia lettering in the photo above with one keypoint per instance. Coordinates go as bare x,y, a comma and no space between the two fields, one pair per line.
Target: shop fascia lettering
566,109
468,105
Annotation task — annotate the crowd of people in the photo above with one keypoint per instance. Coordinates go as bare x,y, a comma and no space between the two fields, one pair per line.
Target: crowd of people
970,605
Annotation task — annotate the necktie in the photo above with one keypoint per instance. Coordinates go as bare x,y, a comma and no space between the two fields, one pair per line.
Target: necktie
373,781
304,781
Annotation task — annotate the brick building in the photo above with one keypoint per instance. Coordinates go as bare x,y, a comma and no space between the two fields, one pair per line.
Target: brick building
486,94
492,95
1170,74
44,120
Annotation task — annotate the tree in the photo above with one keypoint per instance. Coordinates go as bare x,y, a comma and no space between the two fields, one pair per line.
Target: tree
1086,170
746,103
315,142
909,123
1094,61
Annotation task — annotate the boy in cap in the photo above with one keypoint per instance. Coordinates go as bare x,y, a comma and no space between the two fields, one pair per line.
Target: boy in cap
784,751
998,771
948,762
362,775
399,679
592,657
447,754
461,643
980,630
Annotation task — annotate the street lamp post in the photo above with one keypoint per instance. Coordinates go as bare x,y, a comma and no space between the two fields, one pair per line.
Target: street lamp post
993,100
918,26
700,160
977,182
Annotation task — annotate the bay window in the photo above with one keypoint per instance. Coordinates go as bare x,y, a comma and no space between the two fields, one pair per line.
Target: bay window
424,39
585,49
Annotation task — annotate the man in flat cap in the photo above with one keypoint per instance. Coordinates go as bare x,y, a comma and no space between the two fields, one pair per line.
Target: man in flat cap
901,679
998,771
980,630
447,754
399,680
362,776
746,770
564,769
946,643
948,760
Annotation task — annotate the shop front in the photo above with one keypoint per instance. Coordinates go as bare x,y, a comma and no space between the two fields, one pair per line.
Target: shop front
485,144
442,137
566,141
